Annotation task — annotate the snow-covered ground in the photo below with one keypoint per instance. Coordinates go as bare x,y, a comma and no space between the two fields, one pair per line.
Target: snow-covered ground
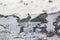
10,28
20,7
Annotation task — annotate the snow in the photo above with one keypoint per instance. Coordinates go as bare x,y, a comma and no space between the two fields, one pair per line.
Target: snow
13,29
33,7
59,31
21,9
54,38
51,19
27,34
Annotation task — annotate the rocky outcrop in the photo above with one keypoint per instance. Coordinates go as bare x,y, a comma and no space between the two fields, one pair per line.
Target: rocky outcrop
40,28
40,18
57,25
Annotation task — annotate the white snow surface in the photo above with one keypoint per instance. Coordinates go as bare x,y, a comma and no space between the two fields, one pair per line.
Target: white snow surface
8,7
21,9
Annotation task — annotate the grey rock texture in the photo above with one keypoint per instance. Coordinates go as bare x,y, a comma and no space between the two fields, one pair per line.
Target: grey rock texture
41,18
43,27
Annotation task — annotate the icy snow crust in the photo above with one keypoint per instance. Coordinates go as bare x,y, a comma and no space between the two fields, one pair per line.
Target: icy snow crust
10,29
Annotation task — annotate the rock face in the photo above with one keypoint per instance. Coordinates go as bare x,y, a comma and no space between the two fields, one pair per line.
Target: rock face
43,27
41,18
57,24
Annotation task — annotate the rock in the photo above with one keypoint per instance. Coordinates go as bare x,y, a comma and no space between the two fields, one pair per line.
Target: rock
57,27
50,1
43,29
40,18
1,15
21,30
39,39
50,34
